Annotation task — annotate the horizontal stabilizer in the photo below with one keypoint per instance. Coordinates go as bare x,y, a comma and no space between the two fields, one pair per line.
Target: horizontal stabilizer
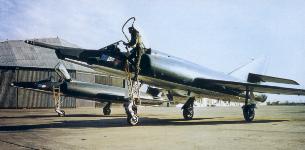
251,86
255,78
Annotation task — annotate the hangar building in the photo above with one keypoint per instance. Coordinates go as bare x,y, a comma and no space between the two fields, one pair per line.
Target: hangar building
21,62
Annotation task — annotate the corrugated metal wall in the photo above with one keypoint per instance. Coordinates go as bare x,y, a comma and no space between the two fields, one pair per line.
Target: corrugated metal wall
11,97
32,99
28,98
117,82
16,53
8,95
109,80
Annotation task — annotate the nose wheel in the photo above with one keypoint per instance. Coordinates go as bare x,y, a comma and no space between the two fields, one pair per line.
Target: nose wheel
132,120
131,111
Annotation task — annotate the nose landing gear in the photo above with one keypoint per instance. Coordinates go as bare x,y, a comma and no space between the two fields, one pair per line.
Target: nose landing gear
131,111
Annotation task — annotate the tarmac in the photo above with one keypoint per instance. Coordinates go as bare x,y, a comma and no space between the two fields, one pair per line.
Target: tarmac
274,127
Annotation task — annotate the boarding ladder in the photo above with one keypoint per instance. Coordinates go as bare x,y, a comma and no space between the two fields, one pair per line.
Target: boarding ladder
57,100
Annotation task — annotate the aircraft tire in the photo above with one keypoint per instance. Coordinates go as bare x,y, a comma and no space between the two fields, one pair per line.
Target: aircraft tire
106,111
62,114
249,112
132,120
188,113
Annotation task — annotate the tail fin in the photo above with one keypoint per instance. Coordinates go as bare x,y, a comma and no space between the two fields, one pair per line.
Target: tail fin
257,66
255,71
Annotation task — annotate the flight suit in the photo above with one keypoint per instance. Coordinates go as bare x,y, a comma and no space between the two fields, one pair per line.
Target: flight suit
136,52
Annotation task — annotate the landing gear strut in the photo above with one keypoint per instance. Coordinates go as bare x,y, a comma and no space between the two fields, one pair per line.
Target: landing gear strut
188,109
106,109
248,109
131,111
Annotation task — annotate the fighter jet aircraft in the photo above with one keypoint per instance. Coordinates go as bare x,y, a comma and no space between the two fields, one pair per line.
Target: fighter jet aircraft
179,77
66,86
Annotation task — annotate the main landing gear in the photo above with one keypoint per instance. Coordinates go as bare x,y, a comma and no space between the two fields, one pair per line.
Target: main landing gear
106,109
131,111
188,109
249,112
248,109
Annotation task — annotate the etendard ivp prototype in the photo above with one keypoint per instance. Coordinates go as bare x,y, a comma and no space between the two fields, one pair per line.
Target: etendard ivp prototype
178,77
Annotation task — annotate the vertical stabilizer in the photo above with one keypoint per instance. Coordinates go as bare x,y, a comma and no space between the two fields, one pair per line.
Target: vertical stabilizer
257,66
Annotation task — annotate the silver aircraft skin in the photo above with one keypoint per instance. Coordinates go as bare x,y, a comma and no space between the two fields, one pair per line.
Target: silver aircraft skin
179,77
85,90
176,76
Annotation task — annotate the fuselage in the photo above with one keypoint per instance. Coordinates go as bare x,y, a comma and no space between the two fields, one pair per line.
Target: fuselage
157,68
86,90
165,66
77,89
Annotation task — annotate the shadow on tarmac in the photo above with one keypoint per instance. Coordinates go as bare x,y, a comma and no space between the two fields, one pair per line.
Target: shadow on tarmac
121,122
56,116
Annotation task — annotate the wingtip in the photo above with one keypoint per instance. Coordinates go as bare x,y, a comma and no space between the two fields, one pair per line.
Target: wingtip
294,82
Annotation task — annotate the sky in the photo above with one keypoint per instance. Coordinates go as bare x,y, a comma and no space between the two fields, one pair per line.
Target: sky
219,34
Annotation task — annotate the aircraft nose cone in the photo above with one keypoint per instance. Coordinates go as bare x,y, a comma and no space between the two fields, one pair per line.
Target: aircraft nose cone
24,84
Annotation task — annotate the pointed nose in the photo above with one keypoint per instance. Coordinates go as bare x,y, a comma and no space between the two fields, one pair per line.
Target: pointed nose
24,84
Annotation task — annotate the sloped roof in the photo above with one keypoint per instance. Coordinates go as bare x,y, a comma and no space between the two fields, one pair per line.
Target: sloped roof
16,53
